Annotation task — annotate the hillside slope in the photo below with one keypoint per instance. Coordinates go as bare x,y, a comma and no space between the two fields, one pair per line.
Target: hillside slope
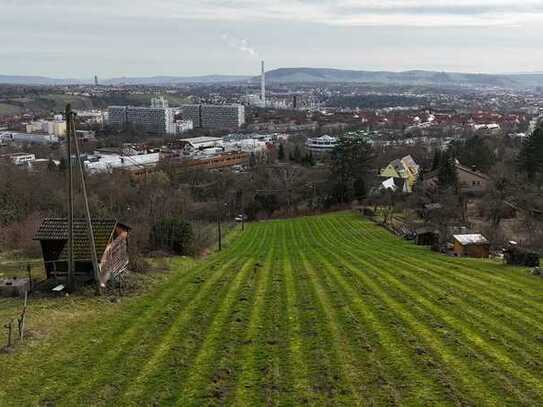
417,77
312,75
329,310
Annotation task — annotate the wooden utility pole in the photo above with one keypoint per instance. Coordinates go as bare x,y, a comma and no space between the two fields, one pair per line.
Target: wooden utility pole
70,279
242,210
94,256
219,231
9,327
29,272
22,318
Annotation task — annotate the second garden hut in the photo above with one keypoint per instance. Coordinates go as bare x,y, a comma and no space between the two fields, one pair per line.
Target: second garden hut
471,245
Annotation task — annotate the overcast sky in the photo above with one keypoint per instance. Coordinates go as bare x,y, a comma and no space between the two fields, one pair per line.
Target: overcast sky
80,38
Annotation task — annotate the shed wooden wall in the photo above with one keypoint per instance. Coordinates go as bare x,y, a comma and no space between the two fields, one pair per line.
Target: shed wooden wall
479,251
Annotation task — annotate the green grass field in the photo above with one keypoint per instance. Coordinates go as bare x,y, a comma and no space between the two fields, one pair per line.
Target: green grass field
329,310
6,108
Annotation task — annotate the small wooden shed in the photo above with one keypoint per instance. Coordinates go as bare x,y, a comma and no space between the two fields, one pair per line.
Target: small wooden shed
427,236
517,256
471,245
111,239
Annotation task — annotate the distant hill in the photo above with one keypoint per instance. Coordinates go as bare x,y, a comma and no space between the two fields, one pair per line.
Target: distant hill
154,80
313,75
172,80
37,80
316,75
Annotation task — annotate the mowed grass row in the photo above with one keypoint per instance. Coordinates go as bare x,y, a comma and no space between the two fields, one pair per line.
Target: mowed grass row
327,310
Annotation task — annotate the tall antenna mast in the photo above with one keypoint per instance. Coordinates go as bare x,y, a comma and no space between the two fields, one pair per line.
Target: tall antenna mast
263,86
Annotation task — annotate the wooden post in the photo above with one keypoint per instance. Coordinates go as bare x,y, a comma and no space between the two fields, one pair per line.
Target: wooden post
8,326
219,231
29,271
94,256
21,320
70,200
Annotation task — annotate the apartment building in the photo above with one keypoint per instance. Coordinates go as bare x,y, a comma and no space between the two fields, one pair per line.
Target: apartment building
215,116
194,113
56,126
150,119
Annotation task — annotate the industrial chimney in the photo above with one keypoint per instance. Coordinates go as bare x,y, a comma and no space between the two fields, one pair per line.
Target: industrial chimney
263,86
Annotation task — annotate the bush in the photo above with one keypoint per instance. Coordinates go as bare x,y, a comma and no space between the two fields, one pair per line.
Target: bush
18,236
173,235
204,236
137,264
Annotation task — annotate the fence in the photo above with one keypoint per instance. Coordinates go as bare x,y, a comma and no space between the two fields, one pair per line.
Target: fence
18,278
10,324
31,269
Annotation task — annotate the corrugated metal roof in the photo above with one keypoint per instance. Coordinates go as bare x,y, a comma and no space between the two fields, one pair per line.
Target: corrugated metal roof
57,229
469,239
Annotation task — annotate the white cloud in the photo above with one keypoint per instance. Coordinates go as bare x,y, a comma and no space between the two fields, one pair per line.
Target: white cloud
330,12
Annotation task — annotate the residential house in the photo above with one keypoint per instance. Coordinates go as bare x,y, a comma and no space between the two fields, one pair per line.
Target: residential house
395,185
404,168
470,180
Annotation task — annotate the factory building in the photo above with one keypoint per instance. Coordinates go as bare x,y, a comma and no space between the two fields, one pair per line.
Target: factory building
215,116
156,120
27,138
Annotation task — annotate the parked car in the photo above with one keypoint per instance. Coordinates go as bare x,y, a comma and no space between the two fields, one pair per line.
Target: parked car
241,218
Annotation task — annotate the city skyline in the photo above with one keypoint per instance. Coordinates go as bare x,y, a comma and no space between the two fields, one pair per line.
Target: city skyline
190,38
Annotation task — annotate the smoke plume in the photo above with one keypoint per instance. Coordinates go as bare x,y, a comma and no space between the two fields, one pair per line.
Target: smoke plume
239,44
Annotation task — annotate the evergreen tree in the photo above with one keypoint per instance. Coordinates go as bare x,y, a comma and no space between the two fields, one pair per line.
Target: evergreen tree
281,152
530,159
172,234
447,170
51,166
252,160
436,161
308,159
473,151
359,188
350,162
297,155
63,165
